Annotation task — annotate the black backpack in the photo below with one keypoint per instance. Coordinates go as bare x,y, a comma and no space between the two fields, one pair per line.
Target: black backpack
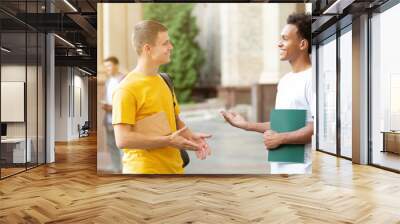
168,80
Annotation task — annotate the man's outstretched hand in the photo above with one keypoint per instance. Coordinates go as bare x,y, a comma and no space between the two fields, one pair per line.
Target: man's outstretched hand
177,140
234,119
185,139
201,140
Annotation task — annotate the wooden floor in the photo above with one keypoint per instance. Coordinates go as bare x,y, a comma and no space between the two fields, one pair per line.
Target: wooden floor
70,191
10,171
388,159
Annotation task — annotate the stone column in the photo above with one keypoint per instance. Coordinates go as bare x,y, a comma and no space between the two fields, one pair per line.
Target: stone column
118,21
241,44
274,19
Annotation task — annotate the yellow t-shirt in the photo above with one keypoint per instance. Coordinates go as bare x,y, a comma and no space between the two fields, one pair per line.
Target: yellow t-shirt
137,97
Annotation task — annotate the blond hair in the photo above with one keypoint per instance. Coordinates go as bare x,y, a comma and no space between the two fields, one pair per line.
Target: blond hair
146,32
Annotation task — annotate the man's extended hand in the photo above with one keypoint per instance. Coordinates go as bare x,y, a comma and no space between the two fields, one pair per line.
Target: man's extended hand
234,119
177,140
200,139
273,139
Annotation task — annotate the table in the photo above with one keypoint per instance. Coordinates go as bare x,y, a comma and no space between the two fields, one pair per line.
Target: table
391,141
13,150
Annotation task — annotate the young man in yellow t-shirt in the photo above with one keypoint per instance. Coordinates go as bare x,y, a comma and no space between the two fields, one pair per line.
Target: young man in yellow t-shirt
143,93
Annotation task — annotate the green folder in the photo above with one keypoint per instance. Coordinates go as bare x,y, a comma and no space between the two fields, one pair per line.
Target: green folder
285,121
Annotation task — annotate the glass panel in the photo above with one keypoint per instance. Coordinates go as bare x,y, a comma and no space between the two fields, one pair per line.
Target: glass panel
385,84
327,96
13,77
346,94
31,98
31,86
22,88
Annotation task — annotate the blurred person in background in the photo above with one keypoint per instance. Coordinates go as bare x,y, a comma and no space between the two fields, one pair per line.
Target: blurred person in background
111,65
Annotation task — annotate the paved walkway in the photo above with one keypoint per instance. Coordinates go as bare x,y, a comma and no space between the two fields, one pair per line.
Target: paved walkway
235,151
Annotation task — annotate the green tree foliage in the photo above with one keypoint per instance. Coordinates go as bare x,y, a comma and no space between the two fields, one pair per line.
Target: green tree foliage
187,56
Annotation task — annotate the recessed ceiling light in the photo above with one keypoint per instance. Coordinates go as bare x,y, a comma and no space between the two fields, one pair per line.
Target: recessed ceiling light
5,50
338,6
86,72
64,40
70,5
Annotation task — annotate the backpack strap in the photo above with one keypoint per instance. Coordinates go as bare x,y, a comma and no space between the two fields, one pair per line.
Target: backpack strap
170,84
184,155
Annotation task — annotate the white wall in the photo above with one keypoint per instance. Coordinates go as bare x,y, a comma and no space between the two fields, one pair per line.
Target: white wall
12,73
80,100
70,83
61,103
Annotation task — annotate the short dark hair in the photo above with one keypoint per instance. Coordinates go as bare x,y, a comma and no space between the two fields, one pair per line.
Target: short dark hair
112,59
303,23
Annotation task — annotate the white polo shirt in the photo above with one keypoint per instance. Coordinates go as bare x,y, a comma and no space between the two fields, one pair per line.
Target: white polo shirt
111,84
295,91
